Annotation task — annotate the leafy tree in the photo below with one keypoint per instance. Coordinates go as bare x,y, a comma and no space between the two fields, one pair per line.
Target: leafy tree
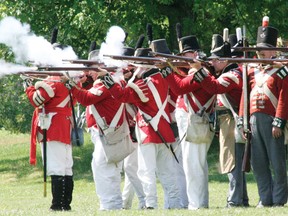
82,21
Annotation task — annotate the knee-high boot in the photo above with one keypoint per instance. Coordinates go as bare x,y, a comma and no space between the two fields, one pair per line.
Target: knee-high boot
69,185
58,190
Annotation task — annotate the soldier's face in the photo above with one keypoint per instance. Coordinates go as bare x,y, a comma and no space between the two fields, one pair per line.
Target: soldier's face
266,54
190,54
218,65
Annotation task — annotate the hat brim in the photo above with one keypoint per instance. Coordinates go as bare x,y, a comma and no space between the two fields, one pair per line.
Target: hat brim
213,56
264,45
186,51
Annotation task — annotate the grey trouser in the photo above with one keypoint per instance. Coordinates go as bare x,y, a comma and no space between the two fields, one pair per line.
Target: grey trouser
267,151
237,194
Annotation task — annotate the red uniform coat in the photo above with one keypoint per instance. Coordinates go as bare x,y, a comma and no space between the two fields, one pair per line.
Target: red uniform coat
278,86
100,97
186,85
55,97
230,82
129,95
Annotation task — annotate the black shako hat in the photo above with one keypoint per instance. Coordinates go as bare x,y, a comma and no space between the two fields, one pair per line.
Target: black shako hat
160,46
128,51
267,36
142,52
188,44
219,48
235,43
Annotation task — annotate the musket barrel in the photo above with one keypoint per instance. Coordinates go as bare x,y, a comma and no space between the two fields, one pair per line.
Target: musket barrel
252,60
255,49
77,68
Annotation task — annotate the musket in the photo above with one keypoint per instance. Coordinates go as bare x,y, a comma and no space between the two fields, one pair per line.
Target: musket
255,49
253,60
147,60
97,69
162,139
175,57
246,167
84,62
42,73
44,127
74,120
169,57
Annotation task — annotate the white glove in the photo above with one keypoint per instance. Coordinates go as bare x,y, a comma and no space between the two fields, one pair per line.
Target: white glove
27,81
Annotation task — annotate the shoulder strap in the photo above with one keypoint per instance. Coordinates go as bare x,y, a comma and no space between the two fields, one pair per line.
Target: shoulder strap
100,120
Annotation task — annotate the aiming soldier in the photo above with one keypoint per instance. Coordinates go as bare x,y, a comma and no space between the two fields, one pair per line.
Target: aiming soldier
53,113
228,86
149,92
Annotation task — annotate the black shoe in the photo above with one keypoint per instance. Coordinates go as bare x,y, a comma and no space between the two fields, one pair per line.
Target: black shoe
275,205
232,205
246,205
56,208
148,208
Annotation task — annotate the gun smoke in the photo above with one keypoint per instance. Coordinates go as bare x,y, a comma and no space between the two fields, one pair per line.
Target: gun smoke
28,47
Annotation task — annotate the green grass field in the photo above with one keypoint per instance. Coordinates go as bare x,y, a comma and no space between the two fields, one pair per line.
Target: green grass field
21,186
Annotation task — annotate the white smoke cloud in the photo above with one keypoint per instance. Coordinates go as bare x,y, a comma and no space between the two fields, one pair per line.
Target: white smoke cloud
27,46
9,68
113,45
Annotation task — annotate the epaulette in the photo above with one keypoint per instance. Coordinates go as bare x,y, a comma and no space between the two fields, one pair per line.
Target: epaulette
282,72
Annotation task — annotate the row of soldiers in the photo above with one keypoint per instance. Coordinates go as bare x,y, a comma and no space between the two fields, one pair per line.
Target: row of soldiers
162,114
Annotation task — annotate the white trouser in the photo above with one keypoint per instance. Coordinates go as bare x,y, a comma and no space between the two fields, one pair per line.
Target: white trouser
132,182
156,159
195,166
180,174
59,158
107,176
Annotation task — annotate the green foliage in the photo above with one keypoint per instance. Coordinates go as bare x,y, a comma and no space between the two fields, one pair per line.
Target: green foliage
15,111
81,22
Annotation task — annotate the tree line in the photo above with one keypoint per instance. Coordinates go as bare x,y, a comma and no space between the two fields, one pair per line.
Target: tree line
82,21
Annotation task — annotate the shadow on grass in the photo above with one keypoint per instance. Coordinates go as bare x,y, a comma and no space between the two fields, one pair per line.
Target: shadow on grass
82,157
12,161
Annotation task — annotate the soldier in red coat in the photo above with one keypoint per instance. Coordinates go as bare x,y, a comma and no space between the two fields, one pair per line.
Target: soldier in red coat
53,112
102,110
228,86
196,100
195,154
268,116
149,92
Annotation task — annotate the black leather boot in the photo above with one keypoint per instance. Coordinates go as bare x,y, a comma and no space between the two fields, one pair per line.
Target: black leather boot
58,190
69,185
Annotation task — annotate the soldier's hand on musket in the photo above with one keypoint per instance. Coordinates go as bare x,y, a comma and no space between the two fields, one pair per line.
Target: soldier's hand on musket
83,78
243,133
280,64
27,81
102,72
196,64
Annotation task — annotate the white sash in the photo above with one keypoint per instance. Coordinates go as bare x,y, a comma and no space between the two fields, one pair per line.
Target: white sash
154,121
261,82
